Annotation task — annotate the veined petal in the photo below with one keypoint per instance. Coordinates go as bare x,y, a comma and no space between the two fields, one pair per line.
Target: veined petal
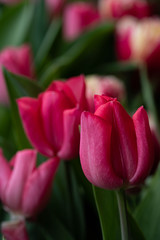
32,123
38,187
144,146
52,106
5,173
95,152
70,146
24,164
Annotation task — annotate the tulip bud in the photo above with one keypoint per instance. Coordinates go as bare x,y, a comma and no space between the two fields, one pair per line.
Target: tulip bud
115,9
115,150
139,41
106,85
78,17
21,180
55,7
17,60
51,121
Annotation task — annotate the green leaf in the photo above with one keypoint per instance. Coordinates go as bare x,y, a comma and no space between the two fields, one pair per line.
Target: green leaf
47,42
108,213
84,46
147,213
14,24
134,230
18,87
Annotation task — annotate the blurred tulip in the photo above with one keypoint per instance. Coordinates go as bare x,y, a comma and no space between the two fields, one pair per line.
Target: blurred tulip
18,60
139,41
115,150
51,121
14,230
104,85
118,8
24,189
55,7
78,17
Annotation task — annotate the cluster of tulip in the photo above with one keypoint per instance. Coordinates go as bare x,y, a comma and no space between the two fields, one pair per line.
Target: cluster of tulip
83,116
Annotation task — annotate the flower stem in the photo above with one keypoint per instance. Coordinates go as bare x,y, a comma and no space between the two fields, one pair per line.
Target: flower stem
123,213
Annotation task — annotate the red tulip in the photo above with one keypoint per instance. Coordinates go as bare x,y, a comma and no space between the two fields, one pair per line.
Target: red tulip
78,17
51,121
118,8
133,39
17,60
24,189
103,85
115,150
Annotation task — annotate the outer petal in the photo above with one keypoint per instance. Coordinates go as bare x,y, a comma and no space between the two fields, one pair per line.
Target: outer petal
123,139
95,152
78,87
14,230
100,100
38,187
5,173
52,106
32,123
144,146
70,146
24,165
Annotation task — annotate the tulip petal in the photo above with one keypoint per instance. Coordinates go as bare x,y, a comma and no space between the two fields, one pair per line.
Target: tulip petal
100,100
24,164
5,173
32,123
38,187
52,106
95,152
70,146
78,87
14,230
144,146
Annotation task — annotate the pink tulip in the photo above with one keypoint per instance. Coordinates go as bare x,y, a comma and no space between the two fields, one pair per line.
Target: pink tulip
14,230
17,60
51,121
115,150
78,17
139,41
24,189
55,7
103,85
115,9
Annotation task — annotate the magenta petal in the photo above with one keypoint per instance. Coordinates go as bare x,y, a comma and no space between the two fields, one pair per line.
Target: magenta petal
70,146
144,146
31,119
100,100
95,152
24,164
78,87
38,187
52,107
14,230
5,173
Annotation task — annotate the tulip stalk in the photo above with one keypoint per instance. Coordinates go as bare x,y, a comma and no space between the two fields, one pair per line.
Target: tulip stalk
120,194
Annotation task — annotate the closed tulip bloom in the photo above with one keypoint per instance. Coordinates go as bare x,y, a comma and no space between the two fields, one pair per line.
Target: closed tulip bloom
55,7
139,41
115,150
115,9
51,121
77,18
17,60
24,189
104,85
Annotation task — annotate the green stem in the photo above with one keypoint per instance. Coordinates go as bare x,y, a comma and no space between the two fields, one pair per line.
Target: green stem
123,213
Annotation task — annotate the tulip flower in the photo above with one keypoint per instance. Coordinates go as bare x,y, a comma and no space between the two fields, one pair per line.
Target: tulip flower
139,41
55,7
18,60
116,150
115,9
24,189
106,85
51,121
78,17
